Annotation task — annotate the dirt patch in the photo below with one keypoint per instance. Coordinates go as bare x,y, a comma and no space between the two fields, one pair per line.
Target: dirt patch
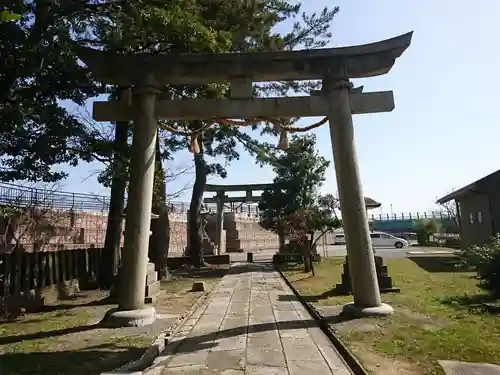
424,321
65,337
380,364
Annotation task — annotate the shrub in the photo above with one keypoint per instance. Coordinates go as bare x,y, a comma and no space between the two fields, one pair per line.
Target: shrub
491,275
454,243
425,229
479,257
486,260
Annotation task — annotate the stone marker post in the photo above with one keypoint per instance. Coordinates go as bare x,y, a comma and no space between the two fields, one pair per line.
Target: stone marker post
352,204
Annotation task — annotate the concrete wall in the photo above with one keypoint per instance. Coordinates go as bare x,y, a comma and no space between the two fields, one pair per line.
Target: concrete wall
83,230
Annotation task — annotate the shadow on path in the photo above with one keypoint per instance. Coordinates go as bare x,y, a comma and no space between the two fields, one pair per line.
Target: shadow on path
329,293
206,340
42,335
89,361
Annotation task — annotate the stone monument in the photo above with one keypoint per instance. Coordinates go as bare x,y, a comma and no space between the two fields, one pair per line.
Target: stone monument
148,74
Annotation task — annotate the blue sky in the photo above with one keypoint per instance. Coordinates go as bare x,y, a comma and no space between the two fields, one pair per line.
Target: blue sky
444,131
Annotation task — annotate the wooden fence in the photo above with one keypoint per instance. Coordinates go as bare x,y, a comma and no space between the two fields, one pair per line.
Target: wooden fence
21,271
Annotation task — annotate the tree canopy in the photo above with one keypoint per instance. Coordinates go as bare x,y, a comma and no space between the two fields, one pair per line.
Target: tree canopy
300,172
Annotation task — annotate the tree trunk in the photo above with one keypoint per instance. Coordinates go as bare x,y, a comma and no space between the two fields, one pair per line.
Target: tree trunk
306,254
195,228
310,246
159,242
281,241
112,241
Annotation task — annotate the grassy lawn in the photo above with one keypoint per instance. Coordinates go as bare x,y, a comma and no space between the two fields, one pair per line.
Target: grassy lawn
66,339
438,316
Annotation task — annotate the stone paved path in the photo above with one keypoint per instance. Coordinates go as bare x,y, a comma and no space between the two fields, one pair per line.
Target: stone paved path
253,325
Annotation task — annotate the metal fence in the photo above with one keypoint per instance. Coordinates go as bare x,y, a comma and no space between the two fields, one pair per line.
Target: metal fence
23,196
410,216
11,194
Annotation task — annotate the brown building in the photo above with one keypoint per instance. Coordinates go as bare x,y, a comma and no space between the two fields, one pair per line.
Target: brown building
478,209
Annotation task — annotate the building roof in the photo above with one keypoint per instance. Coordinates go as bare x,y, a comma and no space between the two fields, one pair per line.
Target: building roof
475,187
371,203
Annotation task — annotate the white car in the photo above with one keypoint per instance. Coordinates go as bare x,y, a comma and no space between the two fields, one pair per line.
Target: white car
339,239
381,239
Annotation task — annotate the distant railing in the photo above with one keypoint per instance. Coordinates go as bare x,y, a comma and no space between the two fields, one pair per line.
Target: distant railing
23,196
11,194
410,216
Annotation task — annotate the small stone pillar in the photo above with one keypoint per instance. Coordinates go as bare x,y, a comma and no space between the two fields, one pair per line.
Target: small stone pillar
384,280
219,221
364,282
152,284
131,309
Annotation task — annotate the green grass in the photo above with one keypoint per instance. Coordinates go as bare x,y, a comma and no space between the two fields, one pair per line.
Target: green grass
438,315
64,339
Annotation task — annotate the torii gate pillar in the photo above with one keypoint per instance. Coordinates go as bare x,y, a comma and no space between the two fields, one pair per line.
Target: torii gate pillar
131,309
361,260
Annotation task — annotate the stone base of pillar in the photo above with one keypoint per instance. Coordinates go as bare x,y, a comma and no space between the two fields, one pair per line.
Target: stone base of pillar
364,312
115,318
384,280
152,284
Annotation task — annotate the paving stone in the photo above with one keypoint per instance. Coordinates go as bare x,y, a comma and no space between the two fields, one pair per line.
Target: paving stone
198,370
265,357
254,326
266,342
229,343
198,358
283,306
308,367
465,368
192,345
265,370
233,322
262,327
262,321
298,341
286,316
227,360
301,353
294,332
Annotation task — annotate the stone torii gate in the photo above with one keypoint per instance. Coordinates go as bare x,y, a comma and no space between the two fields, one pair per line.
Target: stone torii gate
148,73
221,198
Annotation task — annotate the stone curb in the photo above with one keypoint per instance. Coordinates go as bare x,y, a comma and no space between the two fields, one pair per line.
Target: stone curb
349,358
141,365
